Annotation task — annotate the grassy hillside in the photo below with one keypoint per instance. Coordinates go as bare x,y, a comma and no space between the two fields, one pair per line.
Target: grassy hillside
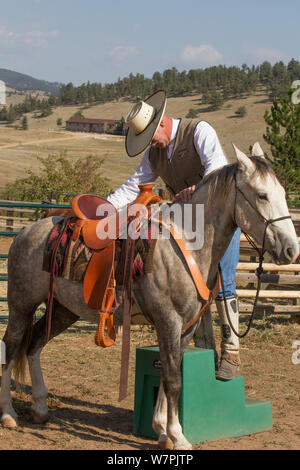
16,96
22,82
18,148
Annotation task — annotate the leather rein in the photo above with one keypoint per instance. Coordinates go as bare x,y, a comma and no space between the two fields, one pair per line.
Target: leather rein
261,252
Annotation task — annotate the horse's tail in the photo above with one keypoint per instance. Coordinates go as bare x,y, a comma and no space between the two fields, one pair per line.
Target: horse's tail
19,368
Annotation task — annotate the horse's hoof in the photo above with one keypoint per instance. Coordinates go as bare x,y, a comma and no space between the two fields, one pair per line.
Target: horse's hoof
8,422
165,443
184,446
39,418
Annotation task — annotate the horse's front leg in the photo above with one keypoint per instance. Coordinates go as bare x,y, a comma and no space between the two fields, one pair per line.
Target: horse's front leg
160,419
171,356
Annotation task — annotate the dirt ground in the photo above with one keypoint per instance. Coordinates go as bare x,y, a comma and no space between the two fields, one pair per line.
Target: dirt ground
83,380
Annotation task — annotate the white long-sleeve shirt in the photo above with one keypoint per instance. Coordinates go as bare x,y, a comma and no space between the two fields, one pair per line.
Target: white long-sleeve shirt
208,148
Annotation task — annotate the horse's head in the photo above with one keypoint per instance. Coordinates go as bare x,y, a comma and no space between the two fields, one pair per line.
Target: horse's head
260,202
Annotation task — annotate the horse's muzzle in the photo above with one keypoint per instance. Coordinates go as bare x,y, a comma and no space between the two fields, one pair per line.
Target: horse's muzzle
287,255
296,255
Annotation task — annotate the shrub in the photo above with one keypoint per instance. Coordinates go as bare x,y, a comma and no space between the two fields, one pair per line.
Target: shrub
241,111
61,177
192,113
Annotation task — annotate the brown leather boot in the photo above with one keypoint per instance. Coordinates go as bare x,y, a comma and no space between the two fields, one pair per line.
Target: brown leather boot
229,366
230,359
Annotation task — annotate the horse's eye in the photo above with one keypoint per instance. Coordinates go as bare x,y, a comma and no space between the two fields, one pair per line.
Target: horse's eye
263,196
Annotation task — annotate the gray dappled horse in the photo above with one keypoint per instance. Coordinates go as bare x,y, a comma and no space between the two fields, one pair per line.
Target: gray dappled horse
245,194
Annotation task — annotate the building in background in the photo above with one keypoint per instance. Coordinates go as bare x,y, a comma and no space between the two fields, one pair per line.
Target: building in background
101,126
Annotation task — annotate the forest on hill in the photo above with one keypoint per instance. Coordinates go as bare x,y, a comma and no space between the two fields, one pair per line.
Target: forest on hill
216,84
229,82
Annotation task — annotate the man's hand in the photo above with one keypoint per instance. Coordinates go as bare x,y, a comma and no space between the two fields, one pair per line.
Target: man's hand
186,194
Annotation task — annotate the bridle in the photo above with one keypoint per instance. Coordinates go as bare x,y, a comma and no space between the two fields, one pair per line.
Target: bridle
261,251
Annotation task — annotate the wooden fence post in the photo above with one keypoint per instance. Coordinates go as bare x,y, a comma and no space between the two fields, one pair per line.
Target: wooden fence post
9,222
296,317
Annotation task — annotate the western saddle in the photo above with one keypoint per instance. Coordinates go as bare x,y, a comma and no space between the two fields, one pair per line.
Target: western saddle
94,215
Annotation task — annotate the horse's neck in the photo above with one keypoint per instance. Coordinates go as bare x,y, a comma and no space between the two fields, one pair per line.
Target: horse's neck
218,231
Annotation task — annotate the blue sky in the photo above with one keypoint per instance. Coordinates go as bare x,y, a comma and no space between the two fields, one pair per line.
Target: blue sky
100,41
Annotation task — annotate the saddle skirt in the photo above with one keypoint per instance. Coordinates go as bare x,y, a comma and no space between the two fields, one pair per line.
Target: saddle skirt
73,256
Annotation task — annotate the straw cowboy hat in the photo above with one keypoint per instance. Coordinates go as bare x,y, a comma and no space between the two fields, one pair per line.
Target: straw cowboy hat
143,121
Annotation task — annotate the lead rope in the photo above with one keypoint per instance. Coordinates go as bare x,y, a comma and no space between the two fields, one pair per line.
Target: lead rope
259,272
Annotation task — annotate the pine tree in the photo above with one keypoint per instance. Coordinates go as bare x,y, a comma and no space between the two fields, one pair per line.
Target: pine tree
11,115
283,135
192,113
3,114
78,114
215,100
24,123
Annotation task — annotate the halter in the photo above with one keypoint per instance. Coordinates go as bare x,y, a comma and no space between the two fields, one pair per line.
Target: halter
261,251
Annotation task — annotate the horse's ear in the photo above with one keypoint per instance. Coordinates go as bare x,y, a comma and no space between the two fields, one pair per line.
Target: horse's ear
244,162
257,151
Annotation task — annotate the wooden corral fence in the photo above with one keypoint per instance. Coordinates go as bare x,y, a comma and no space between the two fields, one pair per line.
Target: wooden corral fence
14,215
280,290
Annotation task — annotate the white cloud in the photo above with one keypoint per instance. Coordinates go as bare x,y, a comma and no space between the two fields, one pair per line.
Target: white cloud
4,33
39,39
122,54
201,55
260,54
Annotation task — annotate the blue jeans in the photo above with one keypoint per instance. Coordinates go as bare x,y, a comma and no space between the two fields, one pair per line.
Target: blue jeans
228,265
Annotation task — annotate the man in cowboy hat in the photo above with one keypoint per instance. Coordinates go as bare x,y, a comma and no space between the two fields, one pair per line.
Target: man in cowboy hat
182,152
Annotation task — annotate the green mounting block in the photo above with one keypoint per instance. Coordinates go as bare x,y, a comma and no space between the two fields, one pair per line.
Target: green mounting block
209,409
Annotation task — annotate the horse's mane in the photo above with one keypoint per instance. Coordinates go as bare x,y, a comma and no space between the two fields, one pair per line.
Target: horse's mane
221,179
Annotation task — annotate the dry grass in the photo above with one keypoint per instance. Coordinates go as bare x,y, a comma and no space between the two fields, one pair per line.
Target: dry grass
18,148
15,97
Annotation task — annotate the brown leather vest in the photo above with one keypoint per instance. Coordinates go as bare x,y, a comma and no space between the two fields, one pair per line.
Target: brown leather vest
184,168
